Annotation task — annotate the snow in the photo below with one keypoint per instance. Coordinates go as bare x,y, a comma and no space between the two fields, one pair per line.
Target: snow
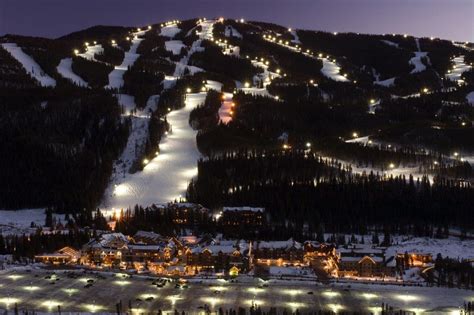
458,69
213,85
174,46
331,70
19,221
244,208
166,177
296,39
231,32
65,70
387,83
127,102
170,30
116,76
224,112
31,67
451,247
470,98
416,61
290,271
91,51
390,43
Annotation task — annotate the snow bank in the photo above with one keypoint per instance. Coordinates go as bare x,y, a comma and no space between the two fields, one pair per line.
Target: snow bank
170,30
174,46
166,177
296,39
31,67
65,70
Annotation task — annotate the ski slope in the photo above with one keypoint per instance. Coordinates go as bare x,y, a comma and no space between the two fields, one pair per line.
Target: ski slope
166,177
91,51
331,70
31,67
458,69
170,30
231,32
65,70
417,63
174,46
470,98
116,76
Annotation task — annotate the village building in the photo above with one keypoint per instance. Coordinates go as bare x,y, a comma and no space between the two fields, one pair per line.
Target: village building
241,216
278,253
364,261
65,255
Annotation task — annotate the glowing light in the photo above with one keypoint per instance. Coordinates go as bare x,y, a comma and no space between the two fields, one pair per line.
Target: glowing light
292,292
277,97
174,298
86,44
405,35
331,294
289,30
255,290
31,288
391,165
188,90
335,33
149,27
15,277
369,296
308,144
335,307
122,282
355,134
148,296
425,90
8,301
372,101
242,20
76,51
70,291
113,42
406,297
93,307
278,71
247,85
456,153
146,161
295,305
203,89
50,304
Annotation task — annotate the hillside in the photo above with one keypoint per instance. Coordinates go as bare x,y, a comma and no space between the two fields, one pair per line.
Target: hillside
321,128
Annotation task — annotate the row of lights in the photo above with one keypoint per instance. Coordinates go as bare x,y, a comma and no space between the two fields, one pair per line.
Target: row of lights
170,23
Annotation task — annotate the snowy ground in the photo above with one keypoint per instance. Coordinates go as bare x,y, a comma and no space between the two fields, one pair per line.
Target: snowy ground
91,51
387,83
170,30
31,67
174,46
116,76
166,177
390,43
296,39
19,222
332,71
451,247
31,290
65,70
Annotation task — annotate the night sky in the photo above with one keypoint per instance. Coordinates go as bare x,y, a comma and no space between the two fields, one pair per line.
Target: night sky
450,19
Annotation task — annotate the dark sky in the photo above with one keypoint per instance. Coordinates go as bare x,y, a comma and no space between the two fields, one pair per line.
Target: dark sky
451,19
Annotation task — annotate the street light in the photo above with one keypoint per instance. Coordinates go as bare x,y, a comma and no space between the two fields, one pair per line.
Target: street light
391,165
188,90
247,85
355,134
308,145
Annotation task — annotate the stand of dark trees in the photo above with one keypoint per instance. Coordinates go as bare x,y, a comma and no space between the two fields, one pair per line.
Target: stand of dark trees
452,273
111,55
96,74
298,188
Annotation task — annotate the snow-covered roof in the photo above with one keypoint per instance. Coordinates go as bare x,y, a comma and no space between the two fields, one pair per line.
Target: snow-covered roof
279,244
244,208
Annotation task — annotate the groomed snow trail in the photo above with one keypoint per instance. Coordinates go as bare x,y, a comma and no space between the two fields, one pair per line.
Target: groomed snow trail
116,76
65,70
166,177
91,51
31,67
458,69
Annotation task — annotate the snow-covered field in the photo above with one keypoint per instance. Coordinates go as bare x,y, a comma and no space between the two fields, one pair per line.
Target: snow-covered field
116,76
166,177
65,70
387,83
231,32
390,43
31,67
174,46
